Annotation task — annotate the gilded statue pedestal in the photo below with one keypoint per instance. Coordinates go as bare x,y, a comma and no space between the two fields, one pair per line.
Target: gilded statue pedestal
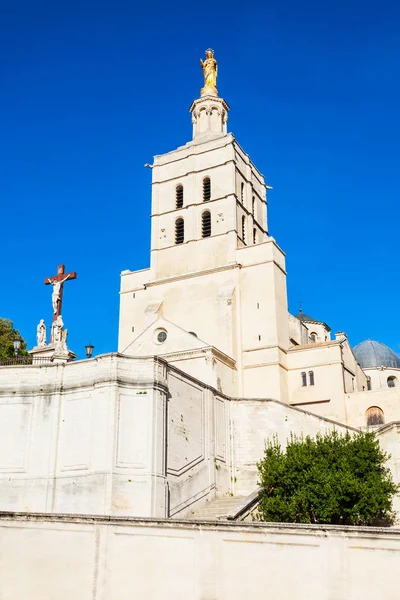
209,90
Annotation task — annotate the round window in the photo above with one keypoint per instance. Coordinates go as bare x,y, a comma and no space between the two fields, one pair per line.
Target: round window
161,336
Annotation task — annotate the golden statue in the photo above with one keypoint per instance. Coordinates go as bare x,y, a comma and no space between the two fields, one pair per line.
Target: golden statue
210,71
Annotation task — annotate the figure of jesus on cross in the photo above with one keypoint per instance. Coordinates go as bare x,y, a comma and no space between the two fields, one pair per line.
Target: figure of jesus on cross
58,282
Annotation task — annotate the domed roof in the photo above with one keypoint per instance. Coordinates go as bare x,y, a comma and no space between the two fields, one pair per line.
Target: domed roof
372,354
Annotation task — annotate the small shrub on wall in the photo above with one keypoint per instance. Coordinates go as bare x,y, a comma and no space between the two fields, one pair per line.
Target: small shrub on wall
332,478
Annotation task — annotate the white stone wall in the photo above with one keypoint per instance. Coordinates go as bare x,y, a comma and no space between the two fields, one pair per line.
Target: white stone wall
85,437
388,400
319,329
112,435
298,332
336,373
134,436
254,421
389,440
96,559
241,309
197,454
379,378
326,396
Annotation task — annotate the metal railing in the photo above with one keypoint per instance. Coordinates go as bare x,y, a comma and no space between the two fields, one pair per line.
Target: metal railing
26,360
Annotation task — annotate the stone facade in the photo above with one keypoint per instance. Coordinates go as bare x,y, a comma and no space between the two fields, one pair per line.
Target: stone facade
223,290
210,362
120,558
130,436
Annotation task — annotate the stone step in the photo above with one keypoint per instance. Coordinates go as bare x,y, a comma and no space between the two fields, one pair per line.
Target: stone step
217,508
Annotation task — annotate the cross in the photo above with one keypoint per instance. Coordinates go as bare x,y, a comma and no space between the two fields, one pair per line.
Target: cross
58,283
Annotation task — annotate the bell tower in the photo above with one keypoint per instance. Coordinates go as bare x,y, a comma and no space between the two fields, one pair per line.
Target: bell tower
214,269
208,198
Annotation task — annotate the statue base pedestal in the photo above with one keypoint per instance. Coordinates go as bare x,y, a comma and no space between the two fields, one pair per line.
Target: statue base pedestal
209,90
50,355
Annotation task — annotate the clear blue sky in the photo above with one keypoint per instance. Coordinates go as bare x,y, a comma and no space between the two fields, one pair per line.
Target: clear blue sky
92,90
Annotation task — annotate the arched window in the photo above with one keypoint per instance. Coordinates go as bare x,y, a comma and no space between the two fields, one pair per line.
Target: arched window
369,387
179,196
304,379
206,224
311,377
179,231
391,381
375,416
313,337
254,236
242,193
244,229
253,204
206,189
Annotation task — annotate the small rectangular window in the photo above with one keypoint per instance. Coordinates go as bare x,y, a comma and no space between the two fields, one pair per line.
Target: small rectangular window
206,189
311,376
179,196
133,329
179,231
206,224
133,295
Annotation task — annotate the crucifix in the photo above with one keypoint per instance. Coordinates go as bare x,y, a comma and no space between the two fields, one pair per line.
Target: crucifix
58,283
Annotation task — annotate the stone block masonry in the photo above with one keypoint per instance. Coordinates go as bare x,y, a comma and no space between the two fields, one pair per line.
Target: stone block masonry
118,558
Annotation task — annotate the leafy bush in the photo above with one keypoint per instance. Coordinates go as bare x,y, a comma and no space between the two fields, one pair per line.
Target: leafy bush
337,479
7,336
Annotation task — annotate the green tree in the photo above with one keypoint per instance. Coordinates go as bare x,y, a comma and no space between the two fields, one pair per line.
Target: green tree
337,479
7,336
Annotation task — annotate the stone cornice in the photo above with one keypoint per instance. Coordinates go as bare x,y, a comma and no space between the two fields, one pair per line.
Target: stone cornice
65,387
317,346
270,347
81,375
214,525
247,159
191,148
193,274
207,99
231,196
202,353
192,172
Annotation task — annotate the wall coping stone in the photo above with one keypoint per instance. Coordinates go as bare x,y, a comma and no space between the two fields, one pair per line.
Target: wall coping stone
197,524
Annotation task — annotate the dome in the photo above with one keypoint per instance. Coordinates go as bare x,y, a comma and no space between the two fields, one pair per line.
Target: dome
372,354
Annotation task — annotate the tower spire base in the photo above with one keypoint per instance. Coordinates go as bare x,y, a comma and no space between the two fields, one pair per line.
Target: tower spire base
209,115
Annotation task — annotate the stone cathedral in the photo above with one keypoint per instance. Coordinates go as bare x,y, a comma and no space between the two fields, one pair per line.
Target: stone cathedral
210,363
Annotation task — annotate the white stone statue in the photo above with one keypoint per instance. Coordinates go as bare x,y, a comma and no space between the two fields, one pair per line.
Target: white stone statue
57,327
56,294
64,340
41,334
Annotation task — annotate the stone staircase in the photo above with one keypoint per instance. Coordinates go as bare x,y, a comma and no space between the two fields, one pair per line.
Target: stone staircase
216,509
